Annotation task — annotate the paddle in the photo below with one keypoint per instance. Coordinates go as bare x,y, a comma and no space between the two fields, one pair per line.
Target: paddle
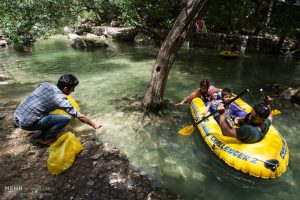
274,111
186,131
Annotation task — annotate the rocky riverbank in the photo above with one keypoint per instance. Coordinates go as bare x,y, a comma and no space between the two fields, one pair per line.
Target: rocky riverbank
100,171
265,43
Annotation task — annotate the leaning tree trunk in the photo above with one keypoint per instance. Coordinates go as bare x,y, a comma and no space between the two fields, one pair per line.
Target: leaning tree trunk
186,20
269,13
278,46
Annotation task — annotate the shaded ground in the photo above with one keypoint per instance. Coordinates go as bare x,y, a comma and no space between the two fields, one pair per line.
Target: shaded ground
99,172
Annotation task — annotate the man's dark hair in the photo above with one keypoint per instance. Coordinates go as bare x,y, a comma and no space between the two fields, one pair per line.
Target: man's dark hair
226,91
67,80
262,110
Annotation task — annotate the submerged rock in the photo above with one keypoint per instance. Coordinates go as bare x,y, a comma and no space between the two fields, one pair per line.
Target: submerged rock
296,97
286,93
143,39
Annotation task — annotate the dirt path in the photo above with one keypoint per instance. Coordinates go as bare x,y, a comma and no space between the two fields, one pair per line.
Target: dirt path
99,172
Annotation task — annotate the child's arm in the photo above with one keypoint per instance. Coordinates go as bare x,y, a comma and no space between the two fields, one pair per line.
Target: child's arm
188,98
206,109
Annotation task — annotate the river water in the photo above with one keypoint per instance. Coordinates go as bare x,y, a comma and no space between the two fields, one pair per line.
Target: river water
110,79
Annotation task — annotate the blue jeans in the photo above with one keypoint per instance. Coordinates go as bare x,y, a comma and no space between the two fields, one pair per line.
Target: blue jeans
51,124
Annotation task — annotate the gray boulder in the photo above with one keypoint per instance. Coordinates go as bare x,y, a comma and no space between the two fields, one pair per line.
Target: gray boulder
143,39
296,97
87,42
288,93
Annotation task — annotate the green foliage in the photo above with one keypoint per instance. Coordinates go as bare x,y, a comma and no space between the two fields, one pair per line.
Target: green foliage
286,18
104,10
235,15
26,20
224,16
147,12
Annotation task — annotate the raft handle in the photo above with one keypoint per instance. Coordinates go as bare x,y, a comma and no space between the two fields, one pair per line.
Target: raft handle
271,164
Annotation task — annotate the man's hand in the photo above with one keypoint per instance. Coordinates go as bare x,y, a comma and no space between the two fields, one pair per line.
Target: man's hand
221,108
88,121
268,100
96,125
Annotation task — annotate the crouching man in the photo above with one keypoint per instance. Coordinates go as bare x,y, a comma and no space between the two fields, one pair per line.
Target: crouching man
33,113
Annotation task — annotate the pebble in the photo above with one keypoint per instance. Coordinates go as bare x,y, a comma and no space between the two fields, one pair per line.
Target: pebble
90,183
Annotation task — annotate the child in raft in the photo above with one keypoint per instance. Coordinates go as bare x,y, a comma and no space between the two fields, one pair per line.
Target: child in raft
206,92
233,110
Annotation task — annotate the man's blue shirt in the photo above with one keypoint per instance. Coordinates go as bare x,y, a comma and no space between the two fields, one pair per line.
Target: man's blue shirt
44,99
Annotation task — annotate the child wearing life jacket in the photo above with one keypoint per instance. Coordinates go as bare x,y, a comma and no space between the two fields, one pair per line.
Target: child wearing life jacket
232,111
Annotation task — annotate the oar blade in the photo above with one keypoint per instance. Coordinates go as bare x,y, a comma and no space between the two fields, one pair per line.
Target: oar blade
187,131
276,112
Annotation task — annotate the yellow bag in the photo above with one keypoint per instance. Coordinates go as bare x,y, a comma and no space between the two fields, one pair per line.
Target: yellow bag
63,152
62,112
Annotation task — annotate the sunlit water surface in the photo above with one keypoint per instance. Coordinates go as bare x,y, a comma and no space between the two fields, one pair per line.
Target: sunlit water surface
185,165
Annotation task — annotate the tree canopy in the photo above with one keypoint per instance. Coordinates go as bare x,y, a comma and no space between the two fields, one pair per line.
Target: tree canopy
26,20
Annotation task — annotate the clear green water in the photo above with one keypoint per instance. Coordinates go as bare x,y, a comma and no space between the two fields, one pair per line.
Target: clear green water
183,164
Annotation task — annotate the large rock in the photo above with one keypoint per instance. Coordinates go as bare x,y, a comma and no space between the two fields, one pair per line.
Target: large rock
288,93
143,39
76,41
3,43
296,97
94,41
87,42
115,23
3,78
122,34
98,30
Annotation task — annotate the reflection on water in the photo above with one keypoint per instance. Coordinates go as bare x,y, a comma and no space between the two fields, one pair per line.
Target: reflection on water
108,78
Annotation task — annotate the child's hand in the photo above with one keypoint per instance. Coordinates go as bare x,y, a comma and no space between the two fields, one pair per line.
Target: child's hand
180,103
236,121
204,113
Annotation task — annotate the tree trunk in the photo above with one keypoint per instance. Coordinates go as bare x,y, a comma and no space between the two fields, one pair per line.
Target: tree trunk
277,48
269,13
258,23
153,99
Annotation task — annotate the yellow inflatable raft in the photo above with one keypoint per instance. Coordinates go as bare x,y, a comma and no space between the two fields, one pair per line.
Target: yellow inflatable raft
266,159
232,54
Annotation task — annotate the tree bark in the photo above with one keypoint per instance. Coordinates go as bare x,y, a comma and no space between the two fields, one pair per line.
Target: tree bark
269,13
277,48
185,22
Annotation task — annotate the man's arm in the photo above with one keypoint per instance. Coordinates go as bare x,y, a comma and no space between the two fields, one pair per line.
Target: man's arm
268,102
68,107
239,120
88,121
226,129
